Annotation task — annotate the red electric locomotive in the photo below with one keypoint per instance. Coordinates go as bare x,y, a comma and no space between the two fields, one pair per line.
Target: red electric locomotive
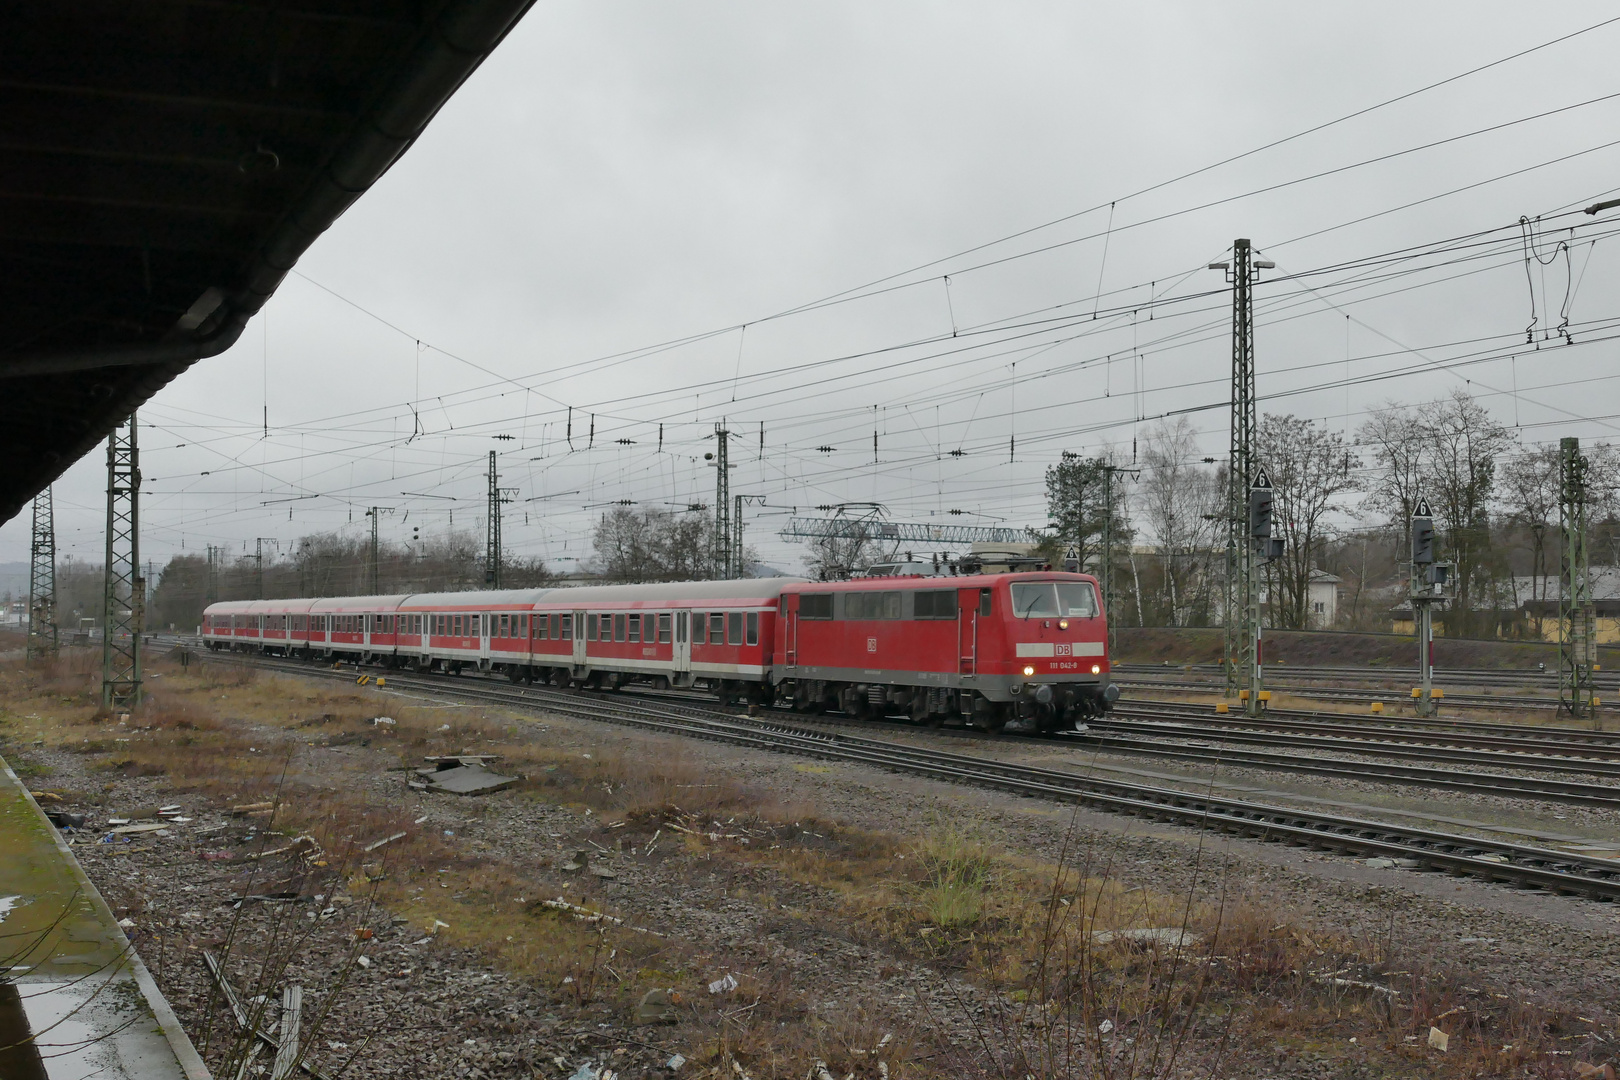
1027,650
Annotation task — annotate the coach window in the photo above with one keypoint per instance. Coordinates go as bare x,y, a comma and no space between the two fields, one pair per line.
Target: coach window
505,628
700,628
753,628
567,627
717,628
735,621
984,601
815,605
663,628
635,628
590,627
618,627
542,628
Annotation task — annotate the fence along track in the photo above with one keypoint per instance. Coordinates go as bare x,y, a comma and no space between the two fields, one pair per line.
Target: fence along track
1463,856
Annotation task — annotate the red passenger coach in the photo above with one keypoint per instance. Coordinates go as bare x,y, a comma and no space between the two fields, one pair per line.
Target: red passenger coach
1027,649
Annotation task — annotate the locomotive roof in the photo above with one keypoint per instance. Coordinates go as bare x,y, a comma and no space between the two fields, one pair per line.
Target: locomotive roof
964,581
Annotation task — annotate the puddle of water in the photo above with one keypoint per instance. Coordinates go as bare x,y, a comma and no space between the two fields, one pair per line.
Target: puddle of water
6,904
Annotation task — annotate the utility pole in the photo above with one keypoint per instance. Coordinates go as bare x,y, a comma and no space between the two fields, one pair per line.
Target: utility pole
258,564
720,461
738,558
42,581
211,588
1107,568
1428,588
376,588
1243,644
1577,613
124,590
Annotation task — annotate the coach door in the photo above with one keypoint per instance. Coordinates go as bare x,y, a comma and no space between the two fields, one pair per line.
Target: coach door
681,654
579,638
967,631
790,630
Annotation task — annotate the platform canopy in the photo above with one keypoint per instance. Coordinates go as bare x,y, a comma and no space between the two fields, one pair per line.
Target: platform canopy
165,163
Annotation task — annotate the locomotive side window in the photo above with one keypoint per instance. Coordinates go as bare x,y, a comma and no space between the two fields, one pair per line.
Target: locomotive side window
663,628
815,605
1077,598
734,625
935,604
872,605
984,601
753,628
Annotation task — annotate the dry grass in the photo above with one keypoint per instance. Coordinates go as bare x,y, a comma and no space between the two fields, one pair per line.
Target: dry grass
1052,1000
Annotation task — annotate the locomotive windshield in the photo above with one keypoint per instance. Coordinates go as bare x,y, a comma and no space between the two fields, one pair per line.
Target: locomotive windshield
1045,600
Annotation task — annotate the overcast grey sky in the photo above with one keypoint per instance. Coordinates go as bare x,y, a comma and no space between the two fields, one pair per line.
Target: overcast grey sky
620,175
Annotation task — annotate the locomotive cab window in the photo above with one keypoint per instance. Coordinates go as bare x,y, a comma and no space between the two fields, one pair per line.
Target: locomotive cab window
1045,600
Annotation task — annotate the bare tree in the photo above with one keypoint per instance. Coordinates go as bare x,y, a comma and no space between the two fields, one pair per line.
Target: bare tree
1394,437
1310,468
1461,445
1181,503
653,545
1530,495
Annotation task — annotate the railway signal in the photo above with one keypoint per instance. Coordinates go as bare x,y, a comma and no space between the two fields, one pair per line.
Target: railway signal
1428,587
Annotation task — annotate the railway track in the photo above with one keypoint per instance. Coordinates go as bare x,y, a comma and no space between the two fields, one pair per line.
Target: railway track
1355,694
1521,678
1485,859
1475,734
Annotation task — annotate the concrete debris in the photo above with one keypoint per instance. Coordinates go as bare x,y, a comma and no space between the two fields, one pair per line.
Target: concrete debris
1409,864
658,1007
1381,863
375,844
386,720
598,870
1105,1027
723,985
576,861
457,779
363,961
675,1062
1171,936
126,924
1438,1039
1585,1070
1492,856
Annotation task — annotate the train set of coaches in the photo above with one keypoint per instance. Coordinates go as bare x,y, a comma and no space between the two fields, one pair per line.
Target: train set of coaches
1022,648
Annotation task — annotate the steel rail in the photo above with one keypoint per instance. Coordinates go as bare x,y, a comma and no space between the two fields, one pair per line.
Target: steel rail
1482,858
1132,716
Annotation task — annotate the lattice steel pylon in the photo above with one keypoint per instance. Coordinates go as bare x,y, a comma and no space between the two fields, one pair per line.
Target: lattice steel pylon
124,593
492,547
1577,613
42,640
1242,654
723,555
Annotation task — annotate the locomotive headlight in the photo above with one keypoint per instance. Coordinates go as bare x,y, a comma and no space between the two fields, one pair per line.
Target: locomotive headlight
1063,624
1096,669
1029,669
